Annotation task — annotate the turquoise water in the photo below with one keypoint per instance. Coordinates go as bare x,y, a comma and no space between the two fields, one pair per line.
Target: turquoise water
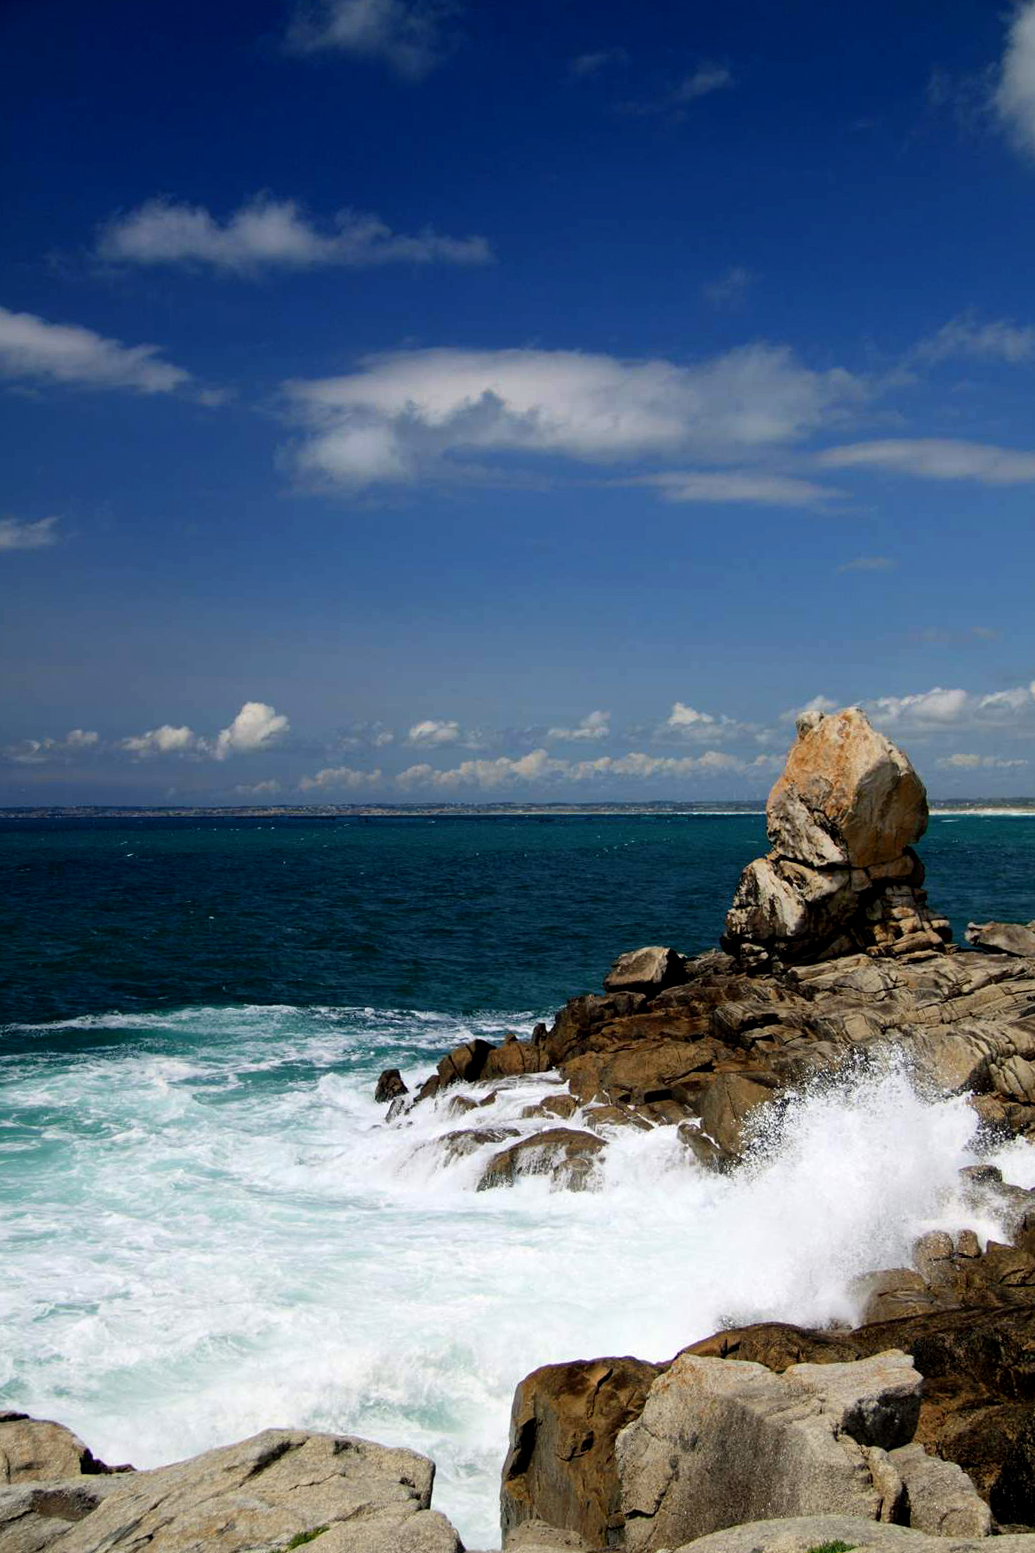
206,1228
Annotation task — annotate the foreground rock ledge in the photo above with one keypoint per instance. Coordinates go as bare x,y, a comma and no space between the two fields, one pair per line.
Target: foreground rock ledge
257,1495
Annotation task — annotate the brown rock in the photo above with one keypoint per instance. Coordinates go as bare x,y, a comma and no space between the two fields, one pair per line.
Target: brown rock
36,1450
390,1086
563,1153
647,970
564,1422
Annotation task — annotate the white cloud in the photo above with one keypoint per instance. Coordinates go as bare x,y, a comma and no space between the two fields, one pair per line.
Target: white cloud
868,563
930,706
965,336
817,704
434,731
539,766
399,415
365,736
410,36
736,485
269,233
258,789
35,752
340,777
935,458
18,535
32,349
595,725
683,716
165,740
940,708
1015,93
255,727
980,762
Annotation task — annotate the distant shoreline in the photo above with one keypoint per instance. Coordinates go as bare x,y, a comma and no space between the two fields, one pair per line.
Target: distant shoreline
1003,808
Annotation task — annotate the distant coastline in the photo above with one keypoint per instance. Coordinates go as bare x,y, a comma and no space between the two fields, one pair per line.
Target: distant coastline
991,807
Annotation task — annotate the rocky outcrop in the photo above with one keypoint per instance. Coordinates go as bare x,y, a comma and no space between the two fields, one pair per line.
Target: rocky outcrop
260,1494
1002,937
390,1086
560,1468
647,970
842,875
563,1154
36,1450
720,1443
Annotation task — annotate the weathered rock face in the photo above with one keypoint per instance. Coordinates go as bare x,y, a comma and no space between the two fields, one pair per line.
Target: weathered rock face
563,1425
261,1493
720,1443
36,1450
564,1154
842,874
1002,937
646,970
390,1086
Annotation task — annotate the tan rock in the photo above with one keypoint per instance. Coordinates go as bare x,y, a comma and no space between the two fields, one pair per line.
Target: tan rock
36,1450
846,795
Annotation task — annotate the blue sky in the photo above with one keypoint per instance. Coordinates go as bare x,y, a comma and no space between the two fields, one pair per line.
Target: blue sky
421,401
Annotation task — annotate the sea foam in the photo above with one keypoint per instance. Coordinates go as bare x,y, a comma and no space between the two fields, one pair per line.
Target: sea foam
208,1229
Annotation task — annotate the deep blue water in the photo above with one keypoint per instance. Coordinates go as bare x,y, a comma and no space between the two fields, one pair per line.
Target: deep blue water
460,915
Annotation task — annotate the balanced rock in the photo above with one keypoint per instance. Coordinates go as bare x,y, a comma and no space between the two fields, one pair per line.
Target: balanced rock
846,796
842,875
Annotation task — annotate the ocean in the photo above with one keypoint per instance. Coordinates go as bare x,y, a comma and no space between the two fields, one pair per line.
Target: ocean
207,1229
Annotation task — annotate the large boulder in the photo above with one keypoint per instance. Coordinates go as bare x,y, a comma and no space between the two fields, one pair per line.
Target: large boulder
649,970
1002,937
847,795
34,1450
269,1492
563,1425
720,1443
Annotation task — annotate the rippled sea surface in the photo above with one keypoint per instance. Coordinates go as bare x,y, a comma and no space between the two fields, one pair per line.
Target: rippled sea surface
206,1228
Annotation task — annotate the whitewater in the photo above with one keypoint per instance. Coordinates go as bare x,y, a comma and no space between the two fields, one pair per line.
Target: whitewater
208,1229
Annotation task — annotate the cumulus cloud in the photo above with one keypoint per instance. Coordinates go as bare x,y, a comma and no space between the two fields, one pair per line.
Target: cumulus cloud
18,535
411,37
965,336
266,233
935,458
165,740
434,731
339,777
400,414
980,762
255,727
539,766
941,708
595,725
35,752
1015,92
817,704
737,485
36,351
